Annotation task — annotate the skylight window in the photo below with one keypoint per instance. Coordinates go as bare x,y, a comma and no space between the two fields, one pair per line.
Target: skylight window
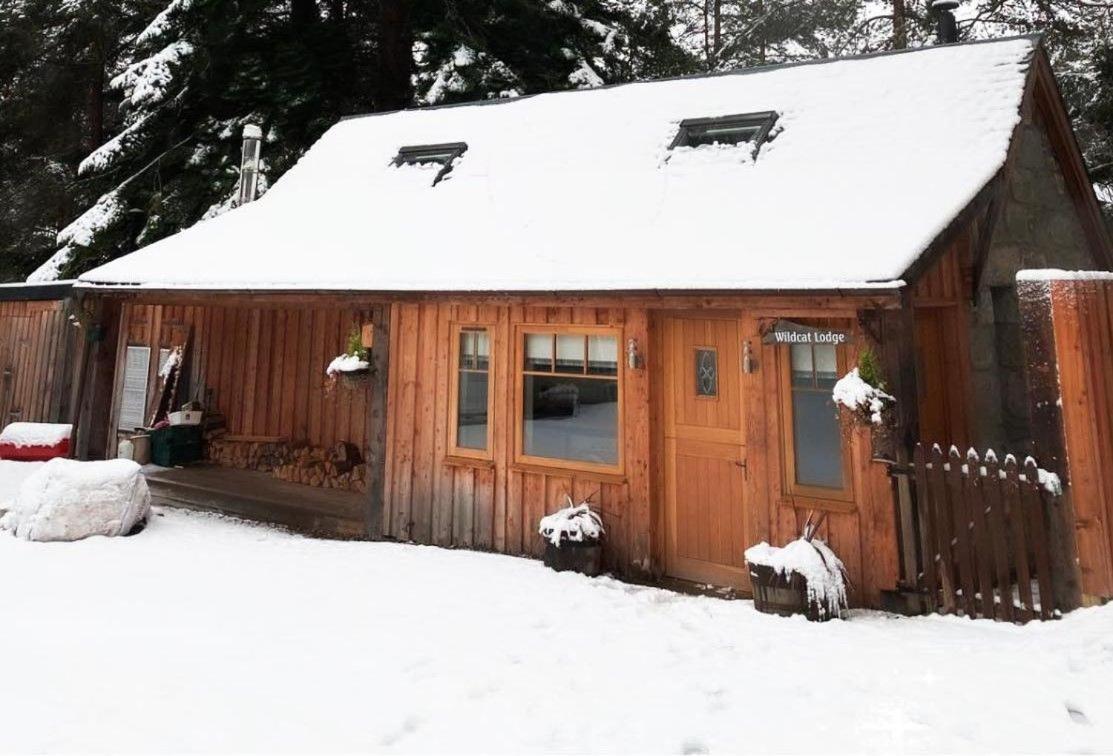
431,154
748,128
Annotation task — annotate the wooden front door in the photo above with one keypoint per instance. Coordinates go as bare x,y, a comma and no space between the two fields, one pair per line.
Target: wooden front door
705,453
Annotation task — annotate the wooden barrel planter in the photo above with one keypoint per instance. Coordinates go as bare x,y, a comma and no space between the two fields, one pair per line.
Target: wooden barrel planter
784,594
779,576
585,557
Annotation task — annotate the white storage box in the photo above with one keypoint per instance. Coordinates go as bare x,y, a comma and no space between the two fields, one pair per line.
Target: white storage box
186,417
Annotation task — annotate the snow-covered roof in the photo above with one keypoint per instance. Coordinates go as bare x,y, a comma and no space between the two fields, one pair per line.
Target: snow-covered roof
872,158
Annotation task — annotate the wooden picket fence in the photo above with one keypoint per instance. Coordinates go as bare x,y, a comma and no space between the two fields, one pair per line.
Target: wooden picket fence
974,535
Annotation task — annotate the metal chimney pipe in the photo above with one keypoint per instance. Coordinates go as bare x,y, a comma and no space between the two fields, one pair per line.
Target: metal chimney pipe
249,164
946,28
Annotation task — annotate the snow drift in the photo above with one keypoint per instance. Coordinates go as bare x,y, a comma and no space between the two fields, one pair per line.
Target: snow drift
67,500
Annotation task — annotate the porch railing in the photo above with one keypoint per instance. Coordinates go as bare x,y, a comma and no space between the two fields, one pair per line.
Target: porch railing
973,534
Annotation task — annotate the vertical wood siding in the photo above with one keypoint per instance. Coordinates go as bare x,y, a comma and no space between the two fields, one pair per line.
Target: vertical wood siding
37,356
495,505
264,368
1081,314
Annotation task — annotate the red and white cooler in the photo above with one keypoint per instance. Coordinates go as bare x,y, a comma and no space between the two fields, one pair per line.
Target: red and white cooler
35,442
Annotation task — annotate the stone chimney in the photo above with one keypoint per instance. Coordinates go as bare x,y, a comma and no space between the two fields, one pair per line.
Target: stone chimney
946,28
249,164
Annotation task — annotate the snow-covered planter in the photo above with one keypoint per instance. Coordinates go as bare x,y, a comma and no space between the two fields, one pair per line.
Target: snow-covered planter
351,368
67,500
573,539
867,404
802,577
862,401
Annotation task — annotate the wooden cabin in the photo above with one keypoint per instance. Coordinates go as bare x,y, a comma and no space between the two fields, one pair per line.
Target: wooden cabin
39,345
580,295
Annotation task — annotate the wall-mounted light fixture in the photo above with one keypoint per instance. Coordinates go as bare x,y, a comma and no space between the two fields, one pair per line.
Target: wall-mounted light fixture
749,364
633,359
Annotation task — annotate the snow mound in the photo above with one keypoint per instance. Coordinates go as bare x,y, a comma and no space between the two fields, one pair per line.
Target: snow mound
858,396
573,523
35,434
67,500
814,561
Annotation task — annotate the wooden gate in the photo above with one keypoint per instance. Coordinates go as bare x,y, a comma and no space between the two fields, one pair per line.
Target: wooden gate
974,534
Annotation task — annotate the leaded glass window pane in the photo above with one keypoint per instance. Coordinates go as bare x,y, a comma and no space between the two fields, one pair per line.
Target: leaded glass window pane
707,372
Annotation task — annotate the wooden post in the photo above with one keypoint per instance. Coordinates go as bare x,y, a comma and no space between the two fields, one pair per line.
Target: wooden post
376,422
1041,372
96,378
896,351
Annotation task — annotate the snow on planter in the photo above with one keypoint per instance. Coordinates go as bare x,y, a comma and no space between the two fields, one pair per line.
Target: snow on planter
860,397
814,561
573,539
577,524
67,500
35,441
346,363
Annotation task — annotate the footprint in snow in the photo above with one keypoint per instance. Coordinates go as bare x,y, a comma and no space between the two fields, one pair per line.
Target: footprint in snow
1076,714
694,746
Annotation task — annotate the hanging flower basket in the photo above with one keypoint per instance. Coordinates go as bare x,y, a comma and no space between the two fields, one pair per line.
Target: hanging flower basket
573,540
349,370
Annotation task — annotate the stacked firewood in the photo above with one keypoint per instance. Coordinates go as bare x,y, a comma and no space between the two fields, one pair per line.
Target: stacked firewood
339,466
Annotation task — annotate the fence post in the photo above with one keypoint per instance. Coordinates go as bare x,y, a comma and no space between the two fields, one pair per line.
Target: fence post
1041,370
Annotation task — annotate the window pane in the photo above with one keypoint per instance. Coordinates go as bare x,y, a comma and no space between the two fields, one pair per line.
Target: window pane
817,439
707,372
539,351
471,417
570,353
826,366
602,355
467,350
482,350
570,418
722,135
801,364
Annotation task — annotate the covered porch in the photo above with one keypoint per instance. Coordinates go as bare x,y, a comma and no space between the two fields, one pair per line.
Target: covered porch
254,495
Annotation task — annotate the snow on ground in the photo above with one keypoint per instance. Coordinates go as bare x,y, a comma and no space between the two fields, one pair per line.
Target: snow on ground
205,634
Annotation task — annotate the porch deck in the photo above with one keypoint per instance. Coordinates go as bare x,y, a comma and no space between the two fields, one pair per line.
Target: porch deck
257,496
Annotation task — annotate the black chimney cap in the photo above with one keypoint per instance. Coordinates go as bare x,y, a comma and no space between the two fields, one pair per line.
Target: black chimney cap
946,29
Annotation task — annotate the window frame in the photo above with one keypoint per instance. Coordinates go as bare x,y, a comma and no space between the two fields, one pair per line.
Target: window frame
764,121
453,447
845,494
423,154
519,373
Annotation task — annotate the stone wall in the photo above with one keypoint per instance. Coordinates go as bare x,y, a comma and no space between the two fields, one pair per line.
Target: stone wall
1038,228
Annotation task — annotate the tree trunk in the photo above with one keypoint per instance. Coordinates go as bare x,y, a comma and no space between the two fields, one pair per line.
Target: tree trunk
94,106
900,34
303,13
718,38
395,56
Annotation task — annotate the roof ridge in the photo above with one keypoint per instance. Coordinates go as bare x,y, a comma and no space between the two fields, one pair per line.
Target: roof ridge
1035,37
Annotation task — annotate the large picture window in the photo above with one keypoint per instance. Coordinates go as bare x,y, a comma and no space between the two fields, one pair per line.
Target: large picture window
471,418
814,442
570,397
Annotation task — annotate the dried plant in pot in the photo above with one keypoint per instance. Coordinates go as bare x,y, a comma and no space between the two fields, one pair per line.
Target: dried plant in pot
573,539
802,577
